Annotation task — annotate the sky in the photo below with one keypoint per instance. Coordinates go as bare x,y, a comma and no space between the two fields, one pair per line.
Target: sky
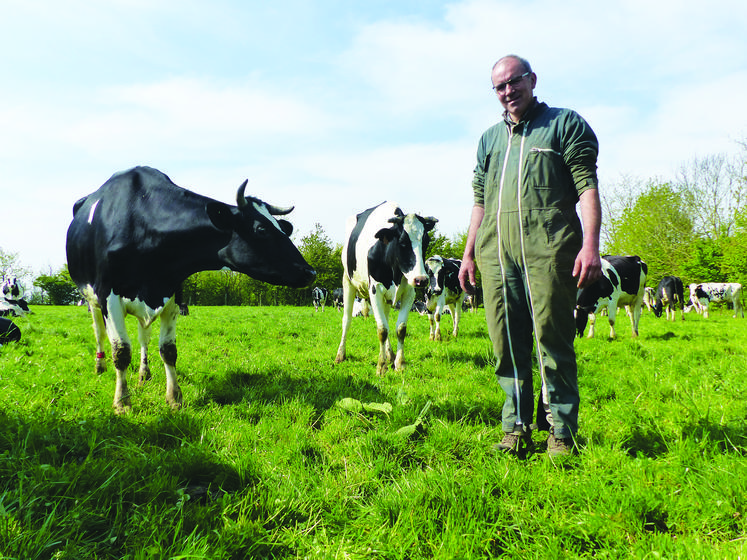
334,106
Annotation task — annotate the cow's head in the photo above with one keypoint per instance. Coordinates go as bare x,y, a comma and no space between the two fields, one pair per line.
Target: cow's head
406,241
658,307
260,244
10,288
582,318
435,268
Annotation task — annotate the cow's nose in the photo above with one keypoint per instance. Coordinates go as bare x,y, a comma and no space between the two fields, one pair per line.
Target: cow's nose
421,281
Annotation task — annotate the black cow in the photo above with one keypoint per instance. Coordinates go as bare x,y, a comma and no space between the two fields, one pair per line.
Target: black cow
139,236
670,292
383,263
444,294
622,284
9,331
337,298
319,297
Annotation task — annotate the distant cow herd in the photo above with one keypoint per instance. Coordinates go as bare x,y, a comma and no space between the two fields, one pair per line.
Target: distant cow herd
133,242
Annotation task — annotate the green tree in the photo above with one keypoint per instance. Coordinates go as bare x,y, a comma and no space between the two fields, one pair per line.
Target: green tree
655,225
60,288
324,256
734,264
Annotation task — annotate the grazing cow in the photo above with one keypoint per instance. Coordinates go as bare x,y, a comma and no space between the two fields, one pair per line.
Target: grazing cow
383,263
11,302
319,297
134,241
670,293
702,294
9,331
337,298
649,298
622,284
443,293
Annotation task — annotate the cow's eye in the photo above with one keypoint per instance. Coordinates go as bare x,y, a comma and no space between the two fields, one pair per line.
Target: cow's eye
259,228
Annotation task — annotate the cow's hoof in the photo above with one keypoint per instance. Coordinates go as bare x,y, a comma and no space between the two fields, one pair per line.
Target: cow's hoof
122,407
145,375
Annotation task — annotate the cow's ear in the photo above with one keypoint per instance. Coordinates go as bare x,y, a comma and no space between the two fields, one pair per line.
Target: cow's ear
220,215
386,234
286,226
429,223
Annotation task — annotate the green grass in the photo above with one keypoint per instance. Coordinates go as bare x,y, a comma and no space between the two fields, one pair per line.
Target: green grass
263,462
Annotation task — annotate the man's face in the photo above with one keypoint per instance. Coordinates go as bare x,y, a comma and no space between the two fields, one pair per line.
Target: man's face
514,86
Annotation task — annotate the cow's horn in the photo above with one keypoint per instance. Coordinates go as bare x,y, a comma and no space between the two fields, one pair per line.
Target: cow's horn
240,198
278,211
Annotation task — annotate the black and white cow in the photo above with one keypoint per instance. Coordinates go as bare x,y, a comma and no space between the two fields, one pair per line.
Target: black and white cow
11,302
443,293
670,293
337,298
702,294
621,285
419,307
134,241
361,308
383,263
319,297
649,297
9,331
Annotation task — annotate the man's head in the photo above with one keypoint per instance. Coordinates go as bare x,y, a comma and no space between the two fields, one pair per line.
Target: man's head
514,82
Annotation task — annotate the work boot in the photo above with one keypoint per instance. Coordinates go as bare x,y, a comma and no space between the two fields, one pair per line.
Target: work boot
515,443
560,447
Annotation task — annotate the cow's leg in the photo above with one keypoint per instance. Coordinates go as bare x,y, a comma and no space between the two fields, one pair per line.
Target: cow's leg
348,299
431,326
635,315
143,337
456,314
407,299
611,315
99,331
381,315
121,352
437,321
592,323
167,349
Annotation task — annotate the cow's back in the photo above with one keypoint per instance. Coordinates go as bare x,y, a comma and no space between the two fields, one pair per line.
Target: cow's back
360,237
122,234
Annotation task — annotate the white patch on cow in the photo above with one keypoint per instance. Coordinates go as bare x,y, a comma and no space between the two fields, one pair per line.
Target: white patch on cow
415,231
93,211
262,209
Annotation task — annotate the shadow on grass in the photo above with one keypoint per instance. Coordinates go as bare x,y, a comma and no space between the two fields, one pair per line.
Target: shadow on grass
648,439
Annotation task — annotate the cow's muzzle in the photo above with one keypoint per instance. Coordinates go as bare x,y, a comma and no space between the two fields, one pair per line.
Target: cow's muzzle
421,281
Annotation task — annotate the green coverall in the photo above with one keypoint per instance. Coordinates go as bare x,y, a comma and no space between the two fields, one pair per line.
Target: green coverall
528,178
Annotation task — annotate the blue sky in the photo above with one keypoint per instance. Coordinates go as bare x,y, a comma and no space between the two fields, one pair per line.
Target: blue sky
334,106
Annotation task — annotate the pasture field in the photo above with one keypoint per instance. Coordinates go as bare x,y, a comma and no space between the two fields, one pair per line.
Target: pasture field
280,453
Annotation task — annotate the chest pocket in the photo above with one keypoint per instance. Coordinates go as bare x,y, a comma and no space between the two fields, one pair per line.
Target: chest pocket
546,176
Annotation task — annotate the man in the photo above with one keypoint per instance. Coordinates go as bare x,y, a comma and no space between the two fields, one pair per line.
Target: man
526,238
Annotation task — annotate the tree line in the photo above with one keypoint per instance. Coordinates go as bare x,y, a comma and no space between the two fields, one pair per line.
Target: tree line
694,227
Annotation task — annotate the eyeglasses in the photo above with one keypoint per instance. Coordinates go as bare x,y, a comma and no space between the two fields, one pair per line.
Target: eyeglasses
513,82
